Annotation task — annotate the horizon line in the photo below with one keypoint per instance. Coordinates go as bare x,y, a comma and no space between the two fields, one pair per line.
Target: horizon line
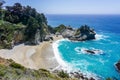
76,14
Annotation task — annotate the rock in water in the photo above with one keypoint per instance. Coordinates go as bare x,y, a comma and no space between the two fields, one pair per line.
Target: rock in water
89,51
117,65
83,33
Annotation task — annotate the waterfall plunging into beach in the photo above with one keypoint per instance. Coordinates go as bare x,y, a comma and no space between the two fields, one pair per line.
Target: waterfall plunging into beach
37,37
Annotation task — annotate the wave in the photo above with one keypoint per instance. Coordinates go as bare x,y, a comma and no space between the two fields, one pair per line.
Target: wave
80,50
63,65
100,36
71,67
84,64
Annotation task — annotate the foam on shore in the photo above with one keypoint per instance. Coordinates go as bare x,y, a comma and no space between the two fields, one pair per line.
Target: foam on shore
68,66
62,64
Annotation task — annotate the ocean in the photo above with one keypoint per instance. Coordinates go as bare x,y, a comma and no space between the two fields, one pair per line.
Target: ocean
71,54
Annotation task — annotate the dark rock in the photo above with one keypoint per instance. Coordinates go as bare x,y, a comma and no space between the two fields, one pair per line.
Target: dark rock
83,33
93,51
92,78
89,51
117,65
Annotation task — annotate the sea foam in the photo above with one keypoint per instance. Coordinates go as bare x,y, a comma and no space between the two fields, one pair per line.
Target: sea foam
68,66
63,65
100,36
81,50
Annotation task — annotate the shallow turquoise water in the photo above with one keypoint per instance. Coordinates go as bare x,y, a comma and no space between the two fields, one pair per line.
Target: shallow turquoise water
108,26
103,64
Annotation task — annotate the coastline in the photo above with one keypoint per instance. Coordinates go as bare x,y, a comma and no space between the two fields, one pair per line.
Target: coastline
34,57
43,56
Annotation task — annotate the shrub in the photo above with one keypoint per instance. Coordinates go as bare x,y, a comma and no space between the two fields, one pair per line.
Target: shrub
16,65
44,70
63,74
2,70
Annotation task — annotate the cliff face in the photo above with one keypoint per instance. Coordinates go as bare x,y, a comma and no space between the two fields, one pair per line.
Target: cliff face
10,34
68,32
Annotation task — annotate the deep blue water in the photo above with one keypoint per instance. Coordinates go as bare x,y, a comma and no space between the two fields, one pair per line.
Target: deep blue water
108,23
108,42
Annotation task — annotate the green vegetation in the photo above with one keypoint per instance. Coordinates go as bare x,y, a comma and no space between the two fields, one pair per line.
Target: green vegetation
16,65
83,29
63,74
9,70
60,28
31,29
20,20
7,30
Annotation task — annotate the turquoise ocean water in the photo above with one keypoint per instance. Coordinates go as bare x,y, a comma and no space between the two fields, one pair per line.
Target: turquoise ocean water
107,41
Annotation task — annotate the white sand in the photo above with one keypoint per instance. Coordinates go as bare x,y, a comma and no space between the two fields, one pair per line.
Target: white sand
34,57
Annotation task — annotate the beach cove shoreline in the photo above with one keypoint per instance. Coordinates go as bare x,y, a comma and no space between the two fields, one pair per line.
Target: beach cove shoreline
34,57
42,56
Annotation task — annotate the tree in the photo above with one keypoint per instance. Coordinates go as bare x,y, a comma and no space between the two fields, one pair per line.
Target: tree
13,13
1,10
51,29
31,29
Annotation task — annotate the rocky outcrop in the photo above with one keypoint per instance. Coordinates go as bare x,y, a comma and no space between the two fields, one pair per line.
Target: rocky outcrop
93,51
117,65
68,32
83,33
48,37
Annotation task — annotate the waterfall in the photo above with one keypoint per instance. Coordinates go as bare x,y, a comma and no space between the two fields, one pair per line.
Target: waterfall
37,37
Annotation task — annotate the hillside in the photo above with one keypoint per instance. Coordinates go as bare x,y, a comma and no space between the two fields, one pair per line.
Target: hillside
9,70
21,24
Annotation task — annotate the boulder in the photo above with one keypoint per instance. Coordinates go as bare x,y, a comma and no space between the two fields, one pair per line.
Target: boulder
89,51
95,51
117,65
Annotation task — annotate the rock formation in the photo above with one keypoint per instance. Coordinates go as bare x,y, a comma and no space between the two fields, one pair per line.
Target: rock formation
83,33
93,51
117,65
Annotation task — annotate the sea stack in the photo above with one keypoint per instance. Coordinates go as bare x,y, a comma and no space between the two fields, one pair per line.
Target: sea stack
83,33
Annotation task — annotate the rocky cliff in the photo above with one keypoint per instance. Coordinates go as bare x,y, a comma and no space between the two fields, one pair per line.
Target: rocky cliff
81,34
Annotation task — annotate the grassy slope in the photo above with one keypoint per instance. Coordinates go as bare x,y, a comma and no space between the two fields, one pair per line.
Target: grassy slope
9,70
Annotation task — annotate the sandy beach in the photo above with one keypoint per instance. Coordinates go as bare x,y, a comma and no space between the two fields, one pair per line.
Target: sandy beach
34,57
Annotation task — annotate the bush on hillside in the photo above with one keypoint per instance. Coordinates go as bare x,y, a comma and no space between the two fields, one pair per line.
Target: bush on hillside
16,65
63,74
